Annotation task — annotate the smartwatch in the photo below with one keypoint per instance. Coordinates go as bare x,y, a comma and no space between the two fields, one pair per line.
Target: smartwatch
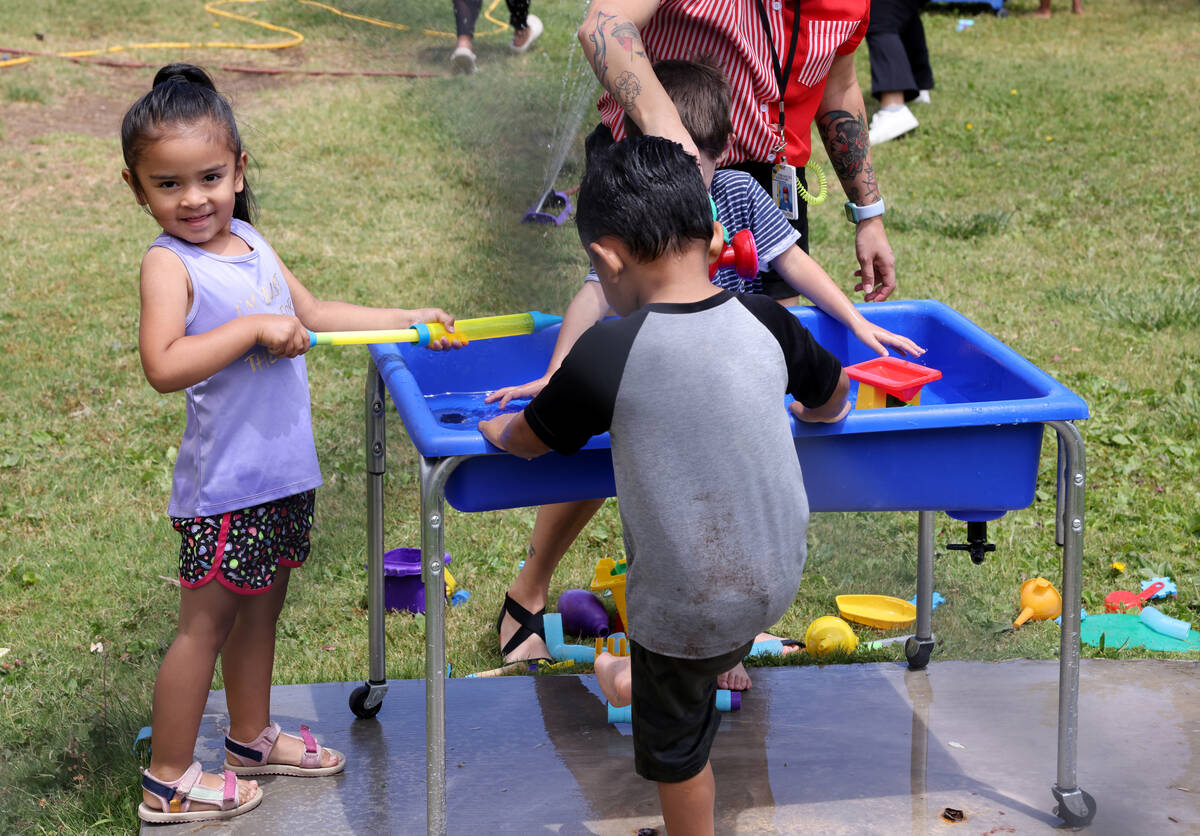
856,213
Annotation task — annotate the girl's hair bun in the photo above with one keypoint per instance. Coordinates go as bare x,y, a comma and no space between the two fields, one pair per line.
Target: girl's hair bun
183,73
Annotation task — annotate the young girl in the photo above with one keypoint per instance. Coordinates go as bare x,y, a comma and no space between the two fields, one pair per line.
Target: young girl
225,320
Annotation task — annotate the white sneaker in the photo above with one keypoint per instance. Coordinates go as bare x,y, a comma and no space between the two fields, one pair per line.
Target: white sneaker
888,124
534,24
922,97
463,60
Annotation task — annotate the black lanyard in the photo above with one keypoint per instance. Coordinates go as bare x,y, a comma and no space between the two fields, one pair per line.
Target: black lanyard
781,75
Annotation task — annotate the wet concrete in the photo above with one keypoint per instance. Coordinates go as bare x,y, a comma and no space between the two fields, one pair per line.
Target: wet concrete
845,749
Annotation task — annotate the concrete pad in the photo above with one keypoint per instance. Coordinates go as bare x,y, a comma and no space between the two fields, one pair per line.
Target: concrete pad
843,749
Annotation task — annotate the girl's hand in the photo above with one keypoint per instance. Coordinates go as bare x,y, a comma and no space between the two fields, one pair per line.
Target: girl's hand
282,336
877,338
525,390
440,316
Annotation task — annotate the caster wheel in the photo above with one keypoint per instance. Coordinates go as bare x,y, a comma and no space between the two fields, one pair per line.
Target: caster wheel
1001,12
917,652
358,699
1075,809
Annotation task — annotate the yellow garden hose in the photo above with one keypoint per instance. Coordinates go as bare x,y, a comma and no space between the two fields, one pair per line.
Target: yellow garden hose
217,7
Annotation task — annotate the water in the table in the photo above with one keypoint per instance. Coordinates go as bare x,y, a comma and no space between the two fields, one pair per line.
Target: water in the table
464,410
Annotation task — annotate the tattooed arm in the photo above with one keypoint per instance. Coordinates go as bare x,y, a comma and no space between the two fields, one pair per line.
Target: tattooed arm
612,43
842,121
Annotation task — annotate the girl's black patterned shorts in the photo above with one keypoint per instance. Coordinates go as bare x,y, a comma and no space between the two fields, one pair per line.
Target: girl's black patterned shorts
244,549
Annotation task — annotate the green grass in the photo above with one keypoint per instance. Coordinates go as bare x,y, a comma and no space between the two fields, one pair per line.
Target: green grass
1061,217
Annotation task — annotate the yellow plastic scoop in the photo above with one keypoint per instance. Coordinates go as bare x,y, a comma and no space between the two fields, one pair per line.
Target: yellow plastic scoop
882,611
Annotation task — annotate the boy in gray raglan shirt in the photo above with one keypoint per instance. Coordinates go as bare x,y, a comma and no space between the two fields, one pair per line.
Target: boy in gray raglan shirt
689,384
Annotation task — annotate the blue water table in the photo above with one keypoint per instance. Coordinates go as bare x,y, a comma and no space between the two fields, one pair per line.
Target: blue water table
969,448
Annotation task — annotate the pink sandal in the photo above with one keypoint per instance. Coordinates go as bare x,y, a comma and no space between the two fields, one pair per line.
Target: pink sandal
252,757
176,797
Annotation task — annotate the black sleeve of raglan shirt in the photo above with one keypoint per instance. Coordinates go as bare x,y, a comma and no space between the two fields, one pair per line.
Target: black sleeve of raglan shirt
813,371
577,403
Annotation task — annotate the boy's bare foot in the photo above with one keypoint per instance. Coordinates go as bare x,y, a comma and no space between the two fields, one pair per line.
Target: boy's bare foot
245,789
738,678
615,675
1042,13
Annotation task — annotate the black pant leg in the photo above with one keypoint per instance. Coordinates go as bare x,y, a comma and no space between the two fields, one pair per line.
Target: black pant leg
518,13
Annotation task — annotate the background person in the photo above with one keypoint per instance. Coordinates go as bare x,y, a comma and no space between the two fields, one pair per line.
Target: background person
526,29
900,70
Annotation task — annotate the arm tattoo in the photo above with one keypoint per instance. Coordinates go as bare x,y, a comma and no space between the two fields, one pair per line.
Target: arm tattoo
600,46
626,89
629,39
845,137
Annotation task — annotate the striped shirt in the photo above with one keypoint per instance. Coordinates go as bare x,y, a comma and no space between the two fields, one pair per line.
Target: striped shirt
732,34
743,204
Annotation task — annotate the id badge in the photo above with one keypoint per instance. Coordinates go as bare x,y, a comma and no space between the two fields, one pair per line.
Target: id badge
783,189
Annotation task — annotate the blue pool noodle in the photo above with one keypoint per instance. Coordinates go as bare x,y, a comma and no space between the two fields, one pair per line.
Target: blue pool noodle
1160,622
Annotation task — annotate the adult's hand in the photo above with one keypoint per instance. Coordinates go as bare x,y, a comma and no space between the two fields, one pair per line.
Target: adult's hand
877,263
842,121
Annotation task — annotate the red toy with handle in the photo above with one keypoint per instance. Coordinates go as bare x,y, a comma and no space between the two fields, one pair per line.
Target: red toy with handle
740,253
1123,601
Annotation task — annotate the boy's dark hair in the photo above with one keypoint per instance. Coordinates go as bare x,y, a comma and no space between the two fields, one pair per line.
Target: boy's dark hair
182,94
701,94
648,193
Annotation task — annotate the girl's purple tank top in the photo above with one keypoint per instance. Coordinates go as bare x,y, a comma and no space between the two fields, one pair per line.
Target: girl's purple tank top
249,436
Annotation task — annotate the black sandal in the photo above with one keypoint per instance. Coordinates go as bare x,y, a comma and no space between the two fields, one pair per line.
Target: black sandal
529,624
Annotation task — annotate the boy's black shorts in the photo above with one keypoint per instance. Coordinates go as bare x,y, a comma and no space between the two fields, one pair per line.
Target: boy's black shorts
675,715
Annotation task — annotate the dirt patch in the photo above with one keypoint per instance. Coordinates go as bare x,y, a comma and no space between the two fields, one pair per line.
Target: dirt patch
99,111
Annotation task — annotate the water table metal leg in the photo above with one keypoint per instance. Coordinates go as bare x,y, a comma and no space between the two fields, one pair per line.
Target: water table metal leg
367,699
1075,807
434,474
920,645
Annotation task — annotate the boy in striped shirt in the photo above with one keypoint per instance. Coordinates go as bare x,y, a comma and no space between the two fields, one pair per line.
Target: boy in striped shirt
702,97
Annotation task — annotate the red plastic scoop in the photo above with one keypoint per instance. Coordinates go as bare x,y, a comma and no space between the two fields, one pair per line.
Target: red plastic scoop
1122,601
